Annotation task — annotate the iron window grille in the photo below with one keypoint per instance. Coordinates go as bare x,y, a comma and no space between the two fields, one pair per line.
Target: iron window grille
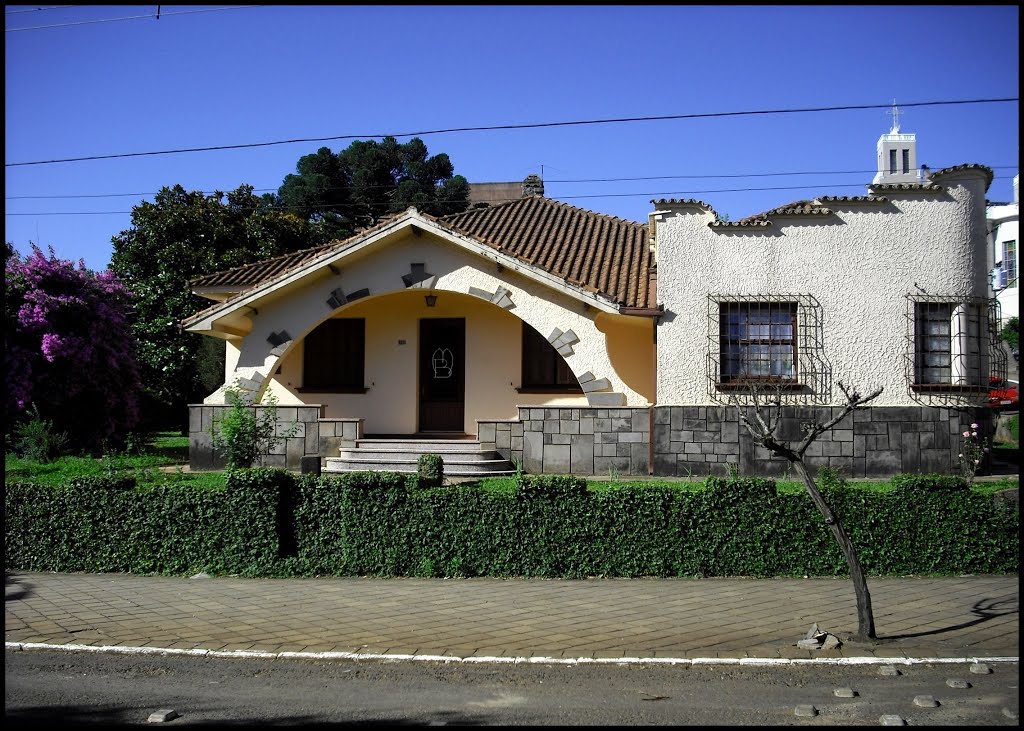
952,352
766,343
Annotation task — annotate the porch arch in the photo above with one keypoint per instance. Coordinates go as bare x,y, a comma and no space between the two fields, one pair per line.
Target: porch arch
568,324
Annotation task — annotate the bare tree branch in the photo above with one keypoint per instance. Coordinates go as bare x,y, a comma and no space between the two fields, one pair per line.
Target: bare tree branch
762,427
854,401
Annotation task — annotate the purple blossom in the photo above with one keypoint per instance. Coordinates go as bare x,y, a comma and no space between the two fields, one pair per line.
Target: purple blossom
69,349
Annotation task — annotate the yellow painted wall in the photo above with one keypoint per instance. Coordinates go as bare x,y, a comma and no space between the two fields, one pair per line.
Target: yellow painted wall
493,363
630,345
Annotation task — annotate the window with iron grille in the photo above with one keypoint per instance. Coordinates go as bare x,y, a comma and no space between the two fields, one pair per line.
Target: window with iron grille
950,344
766,342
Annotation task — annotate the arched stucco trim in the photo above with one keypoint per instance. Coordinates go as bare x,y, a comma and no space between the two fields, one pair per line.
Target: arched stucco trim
569,324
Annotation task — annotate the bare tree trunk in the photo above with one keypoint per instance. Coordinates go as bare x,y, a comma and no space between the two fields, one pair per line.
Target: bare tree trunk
765,419
865,617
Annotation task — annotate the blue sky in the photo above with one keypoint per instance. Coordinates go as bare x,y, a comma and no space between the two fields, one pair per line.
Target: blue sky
267,73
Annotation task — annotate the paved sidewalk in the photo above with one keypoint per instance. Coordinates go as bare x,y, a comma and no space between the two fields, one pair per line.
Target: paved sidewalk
959,618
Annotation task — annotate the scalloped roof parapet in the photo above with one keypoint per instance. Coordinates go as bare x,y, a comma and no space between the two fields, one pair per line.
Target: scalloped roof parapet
683,202
985,169
924,187
744,223
797,208
851,199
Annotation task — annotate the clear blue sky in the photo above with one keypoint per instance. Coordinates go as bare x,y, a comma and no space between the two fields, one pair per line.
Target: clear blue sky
267,73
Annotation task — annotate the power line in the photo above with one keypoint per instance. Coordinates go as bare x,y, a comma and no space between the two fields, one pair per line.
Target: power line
567,180
561,197
36,10
129,17
493,128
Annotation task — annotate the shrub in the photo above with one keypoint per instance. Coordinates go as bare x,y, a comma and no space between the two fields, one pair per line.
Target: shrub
430,468
69,351
242,435
36,440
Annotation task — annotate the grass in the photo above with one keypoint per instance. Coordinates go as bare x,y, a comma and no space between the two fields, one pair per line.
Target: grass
167,449
170,449
506,484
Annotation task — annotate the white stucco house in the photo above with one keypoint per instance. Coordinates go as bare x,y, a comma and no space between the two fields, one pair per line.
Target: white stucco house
575,342
1003,236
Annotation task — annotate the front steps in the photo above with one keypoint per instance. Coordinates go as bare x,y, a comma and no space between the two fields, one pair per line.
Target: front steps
462,457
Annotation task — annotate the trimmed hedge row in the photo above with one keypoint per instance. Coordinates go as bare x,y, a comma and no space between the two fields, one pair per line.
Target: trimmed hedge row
272,523
101,524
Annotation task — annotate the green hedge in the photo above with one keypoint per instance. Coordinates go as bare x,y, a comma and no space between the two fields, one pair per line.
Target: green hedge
273,523
101,524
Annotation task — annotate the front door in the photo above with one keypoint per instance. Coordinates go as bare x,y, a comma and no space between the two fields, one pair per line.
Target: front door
442,374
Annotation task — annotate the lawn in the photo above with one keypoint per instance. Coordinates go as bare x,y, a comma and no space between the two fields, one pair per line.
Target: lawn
160,462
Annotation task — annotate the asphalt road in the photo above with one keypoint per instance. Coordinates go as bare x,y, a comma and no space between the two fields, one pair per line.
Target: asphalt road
44,688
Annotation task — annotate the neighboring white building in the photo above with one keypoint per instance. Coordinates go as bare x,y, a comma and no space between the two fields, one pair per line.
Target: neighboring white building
1002,232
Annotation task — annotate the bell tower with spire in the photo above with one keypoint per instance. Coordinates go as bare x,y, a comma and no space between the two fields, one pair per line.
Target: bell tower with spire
897,154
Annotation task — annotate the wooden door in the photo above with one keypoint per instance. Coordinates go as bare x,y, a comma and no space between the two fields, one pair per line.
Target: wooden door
442,375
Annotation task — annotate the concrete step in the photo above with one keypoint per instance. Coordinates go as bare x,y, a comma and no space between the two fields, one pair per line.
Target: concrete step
420,446
467,455
452,468
462,457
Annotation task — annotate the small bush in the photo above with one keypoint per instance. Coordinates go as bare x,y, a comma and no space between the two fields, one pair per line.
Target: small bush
242,435
430,468
36,440
910,484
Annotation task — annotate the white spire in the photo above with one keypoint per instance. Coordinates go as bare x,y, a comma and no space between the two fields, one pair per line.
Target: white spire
897,154
895,113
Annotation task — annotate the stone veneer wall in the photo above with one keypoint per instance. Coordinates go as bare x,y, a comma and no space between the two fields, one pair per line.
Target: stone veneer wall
873,442
573,440
287,454
313,436
688,440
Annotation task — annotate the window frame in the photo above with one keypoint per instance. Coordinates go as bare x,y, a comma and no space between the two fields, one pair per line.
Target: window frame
340,342
1008,265
738,381
969,363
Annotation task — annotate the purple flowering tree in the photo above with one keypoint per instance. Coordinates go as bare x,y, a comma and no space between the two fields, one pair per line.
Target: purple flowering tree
69,350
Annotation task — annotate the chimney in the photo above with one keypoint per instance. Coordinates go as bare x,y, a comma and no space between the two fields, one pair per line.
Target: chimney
533,185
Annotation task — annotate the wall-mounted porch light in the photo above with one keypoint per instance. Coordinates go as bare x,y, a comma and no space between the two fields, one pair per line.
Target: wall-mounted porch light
430,299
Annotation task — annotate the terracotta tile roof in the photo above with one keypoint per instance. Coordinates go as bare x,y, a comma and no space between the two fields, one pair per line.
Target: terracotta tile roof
249,275
932,187
598,252
252,274
797,208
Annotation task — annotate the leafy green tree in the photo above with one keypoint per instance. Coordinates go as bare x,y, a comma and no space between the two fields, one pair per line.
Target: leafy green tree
341,192
179,236
1010,334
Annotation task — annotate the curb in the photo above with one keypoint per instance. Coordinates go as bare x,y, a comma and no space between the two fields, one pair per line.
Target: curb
744,661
